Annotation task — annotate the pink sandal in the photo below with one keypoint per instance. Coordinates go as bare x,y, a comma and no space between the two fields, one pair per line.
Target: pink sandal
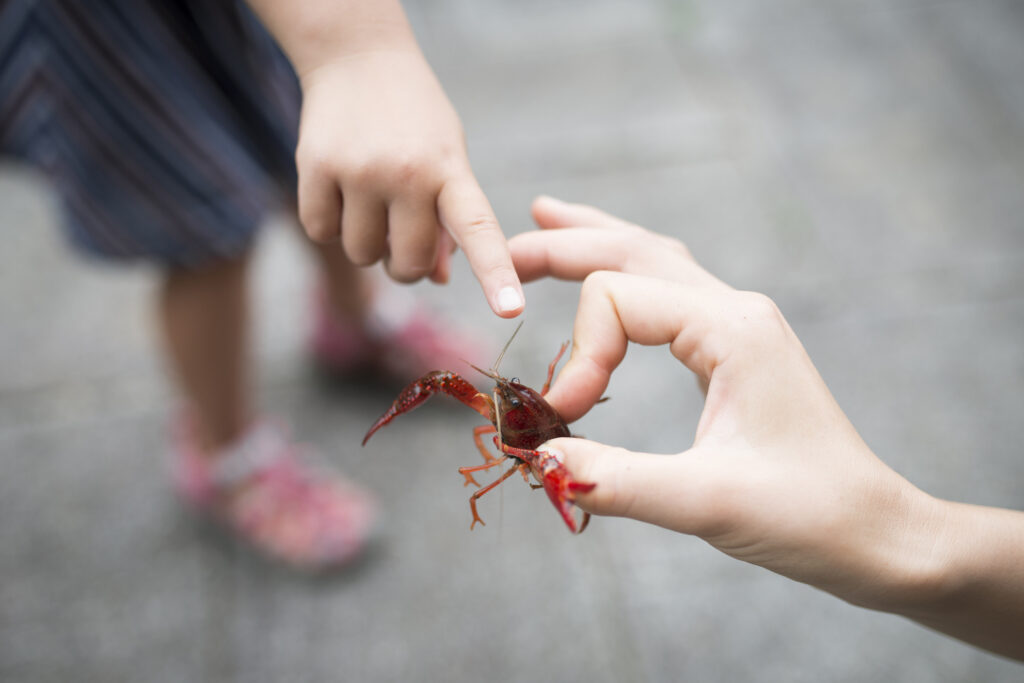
264,490
398,340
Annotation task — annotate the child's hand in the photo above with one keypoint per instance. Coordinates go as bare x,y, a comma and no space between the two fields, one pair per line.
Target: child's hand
381,156
776,474
382,166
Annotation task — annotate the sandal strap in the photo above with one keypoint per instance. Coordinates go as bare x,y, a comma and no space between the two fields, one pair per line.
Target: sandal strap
262,447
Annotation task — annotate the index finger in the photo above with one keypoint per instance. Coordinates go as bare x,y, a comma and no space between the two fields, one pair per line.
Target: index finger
466,214
618,308
573,253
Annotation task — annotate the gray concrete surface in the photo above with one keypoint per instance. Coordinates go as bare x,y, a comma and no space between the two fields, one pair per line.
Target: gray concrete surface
861,162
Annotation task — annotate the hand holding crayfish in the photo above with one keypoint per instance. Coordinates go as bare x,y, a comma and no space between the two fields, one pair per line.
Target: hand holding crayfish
521,420
776,475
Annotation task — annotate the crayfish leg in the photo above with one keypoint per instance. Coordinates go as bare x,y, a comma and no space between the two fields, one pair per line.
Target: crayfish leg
551,368
467,471
478,432
476,496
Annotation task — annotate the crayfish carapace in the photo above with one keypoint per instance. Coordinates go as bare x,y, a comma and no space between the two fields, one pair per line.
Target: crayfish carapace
520,419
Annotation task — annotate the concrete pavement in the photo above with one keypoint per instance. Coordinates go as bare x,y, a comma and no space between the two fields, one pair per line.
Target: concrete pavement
862,163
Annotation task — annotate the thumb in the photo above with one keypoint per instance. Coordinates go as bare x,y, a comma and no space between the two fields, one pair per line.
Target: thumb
643,486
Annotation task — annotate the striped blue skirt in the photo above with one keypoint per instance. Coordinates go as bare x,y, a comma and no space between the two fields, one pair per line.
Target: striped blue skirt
168,127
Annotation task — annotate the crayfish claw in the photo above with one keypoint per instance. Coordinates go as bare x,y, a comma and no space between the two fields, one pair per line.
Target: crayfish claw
562,489
416,393
581,487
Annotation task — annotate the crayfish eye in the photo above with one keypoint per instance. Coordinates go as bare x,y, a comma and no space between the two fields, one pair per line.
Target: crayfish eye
515,402
515,380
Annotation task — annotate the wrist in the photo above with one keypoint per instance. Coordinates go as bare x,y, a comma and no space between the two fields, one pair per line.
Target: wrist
315,32
316,56
366,68
928,576
973,588
909,567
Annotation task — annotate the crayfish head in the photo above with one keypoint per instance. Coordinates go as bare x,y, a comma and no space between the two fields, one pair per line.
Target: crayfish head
524,418
512,397
509,395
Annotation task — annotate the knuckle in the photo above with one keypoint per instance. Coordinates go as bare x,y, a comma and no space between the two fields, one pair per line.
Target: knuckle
360,173
494,270
312,160
323,236
407,273
363,248
760,306
409,270
668,243
632,235
597,281
410,170
402,171
634,231
480,225
318,235
759,315
361,256
317,228
679,248
629,236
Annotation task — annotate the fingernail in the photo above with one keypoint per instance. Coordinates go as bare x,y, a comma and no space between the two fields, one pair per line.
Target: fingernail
551,450
509,299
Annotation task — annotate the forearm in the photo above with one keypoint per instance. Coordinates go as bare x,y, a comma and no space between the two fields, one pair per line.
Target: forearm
314,32
978,593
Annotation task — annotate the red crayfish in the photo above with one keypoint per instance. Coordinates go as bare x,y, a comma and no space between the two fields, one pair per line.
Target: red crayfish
520,419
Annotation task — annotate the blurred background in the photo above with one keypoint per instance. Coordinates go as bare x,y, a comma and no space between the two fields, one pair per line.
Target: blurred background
860,162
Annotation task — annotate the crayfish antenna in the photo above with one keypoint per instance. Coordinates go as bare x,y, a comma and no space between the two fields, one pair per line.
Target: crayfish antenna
494,368
493,372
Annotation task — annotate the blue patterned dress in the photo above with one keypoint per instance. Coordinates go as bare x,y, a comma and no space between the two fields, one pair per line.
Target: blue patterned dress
168,127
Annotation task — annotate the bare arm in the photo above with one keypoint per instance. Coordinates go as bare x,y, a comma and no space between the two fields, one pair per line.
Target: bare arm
979,594
776,475
316,32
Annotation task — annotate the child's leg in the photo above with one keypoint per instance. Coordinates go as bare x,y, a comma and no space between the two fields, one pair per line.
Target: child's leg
246,472
347,287
204,316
